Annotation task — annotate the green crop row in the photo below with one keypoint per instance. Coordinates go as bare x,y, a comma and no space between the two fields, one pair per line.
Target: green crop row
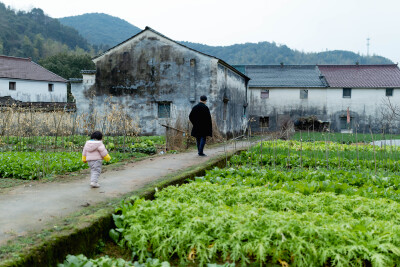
211,222
81,260
303,204
143,144
307,182
34,165
360,137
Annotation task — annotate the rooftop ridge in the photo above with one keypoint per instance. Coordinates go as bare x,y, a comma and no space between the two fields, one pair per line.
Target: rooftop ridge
18,58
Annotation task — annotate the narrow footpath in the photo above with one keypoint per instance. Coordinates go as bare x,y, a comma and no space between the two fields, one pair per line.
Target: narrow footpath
33,207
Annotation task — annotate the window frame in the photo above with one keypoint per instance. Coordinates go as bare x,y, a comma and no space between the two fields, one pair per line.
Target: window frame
391,90
160,105
343,121
50,87
264,92
303,93
12,86
343,93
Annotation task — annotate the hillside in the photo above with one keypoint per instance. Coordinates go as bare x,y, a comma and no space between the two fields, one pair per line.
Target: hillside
101,29
33,34
270,53
105,31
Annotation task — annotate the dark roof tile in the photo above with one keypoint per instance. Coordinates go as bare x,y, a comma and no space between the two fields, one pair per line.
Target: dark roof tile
361,76
25,69
282,76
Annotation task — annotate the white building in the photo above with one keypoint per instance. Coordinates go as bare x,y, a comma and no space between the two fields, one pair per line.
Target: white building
330,93
24,80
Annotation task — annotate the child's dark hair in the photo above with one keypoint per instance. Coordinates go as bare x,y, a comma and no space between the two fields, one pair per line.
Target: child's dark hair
96,135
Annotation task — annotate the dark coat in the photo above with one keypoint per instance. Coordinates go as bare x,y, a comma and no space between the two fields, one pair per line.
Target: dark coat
200,117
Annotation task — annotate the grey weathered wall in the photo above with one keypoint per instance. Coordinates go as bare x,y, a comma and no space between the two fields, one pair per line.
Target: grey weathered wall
150,69
231,100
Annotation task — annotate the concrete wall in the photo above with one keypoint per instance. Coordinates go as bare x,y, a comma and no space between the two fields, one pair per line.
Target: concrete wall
231,98
150,69
34,91
327,104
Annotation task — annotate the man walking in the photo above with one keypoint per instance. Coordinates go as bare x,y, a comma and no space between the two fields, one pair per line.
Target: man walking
200,117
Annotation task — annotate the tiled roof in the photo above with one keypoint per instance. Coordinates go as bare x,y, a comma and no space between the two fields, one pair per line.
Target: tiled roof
361,76
25,69
282,75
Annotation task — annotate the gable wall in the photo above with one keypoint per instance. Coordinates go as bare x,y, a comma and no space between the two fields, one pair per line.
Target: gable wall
149,69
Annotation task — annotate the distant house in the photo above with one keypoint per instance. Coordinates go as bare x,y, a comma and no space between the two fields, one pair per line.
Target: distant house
365,90
278,93
22,80
348,97
159,80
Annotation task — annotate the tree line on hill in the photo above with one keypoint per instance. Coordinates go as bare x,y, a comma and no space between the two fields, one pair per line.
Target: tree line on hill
272,54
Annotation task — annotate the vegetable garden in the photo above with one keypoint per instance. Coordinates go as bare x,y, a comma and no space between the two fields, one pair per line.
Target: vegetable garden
37,144
296,203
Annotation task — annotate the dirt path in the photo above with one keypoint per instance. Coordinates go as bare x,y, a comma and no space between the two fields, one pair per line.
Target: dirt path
33,207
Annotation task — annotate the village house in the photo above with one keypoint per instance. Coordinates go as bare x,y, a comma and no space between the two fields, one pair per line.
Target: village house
348,98
22,80
159,80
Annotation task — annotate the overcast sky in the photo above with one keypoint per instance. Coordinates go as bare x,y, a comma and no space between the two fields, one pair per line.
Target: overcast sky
305,25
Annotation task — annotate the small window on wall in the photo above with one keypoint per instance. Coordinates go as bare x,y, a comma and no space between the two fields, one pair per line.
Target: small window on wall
303,93
343,123
164,110
12,86
264,122
346,92
264,94
389,91
51,87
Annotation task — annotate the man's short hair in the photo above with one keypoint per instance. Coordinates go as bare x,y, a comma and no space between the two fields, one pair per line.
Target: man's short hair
203,98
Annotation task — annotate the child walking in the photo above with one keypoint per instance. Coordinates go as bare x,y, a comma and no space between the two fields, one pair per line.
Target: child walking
93,153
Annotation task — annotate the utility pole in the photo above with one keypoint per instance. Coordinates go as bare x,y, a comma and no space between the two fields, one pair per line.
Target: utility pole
368,46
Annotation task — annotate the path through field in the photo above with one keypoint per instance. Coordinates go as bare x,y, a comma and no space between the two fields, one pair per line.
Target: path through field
32,207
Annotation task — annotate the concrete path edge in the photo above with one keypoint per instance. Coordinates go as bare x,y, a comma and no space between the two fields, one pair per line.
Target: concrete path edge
83,237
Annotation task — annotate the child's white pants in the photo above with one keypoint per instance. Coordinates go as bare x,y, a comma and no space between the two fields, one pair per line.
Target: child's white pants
95,170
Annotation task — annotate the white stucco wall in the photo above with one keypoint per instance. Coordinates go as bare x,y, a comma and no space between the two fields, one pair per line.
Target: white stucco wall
365,104
34,91
282,100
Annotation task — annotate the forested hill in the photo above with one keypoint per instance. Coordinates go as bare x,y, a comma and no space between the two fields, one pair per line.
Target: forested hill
101,29
270,53
33,34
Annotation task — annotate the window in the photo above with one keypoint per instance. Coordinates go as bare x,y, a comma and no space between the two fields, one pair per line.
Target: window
51,87
264,94
264,122
12,86
343,123
346,92
164,110
303,93
389,91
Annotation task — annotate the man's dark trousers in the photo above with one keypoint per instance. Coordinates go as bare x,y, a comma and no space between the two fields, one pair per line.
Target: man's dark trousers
201,142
